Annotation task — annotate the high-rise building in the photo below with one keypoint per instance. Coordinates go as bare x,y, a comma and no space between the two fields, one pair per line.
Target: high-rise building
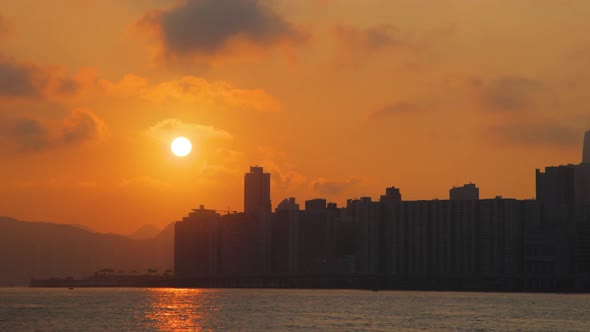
245,245
196,243
556,185
586,153
288,204
392,193
257,191
582,183
566,184
469,192
315,204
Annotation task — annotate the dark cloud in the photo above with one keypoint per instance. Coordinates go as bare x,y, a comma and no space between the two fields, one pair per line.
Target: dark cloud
548,134
507,93
17,80
397,108
334,187
374,38
31,134
204,27
24,80
28,134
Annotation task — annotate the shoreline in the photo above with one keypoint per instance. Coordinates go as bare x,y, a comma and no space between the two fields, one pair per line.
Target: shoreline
371,283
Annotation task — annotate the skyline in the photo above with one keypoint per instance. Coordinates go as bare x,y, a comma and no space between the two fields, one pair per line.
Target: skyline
335,99
463,243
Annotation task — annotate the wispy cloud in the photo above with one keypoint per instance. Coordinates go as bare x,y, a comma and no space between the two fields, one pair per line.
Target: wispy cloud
544,134
507,94
168,129
370,39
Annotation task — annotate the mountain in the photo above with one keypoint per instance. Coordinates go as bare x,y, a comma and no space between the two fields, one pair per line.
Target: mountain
148,231
82,227
42,250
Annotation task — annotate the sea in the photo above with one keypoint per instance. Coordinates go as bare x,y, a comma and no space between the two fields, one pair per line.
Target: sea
151,309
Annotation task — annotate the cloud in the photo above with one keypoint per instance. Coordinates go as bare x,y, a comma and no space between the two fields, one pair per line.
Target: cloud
209,27
334,187
167,129
31,82
507,93
37,134
282,178
128,85
212,94
543,134
394,109
371,39
28,134
18,79
81,125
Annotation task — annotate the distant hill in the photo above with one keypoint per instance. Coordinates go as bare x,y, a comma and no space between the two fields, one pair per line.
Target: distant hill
41,250
82,227
145,232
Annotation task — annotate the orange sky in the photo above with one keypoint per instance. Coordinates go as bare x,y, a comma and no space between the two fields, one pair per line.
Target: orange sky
336,98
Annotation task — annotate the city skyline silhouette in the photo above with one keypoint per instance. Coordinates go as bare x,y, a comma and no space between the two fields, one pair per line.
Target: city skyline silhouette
464,243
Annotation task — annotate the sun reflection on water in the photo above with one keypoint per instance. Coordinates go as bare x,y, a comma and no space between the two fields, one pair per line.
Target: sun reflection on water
180,309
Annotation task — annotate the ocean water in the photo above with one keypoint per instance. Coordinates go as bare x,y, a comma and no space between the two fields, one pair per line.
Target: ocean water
120,309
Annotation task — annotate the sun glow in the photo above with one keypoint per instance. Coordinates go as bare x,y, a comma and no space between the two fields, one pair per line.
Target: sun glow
181,146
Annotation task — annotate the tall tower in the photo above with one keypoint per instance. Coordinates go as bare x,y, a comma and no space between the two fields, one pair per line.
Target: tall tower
586,153
257,191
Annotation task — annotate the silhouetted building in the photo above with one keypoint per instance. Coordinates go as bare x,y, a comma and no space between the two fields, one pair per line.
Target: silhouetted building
586,148
442,239
566,185
462,243
285,242
315,204
581,233
196,244
317,240
367,218
245,244
556,185
257,191
288,204
466,193
391,193
582,183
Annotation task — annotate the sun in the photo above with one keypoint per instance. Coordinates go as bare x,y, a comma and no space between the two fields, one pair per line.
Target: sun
181,146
